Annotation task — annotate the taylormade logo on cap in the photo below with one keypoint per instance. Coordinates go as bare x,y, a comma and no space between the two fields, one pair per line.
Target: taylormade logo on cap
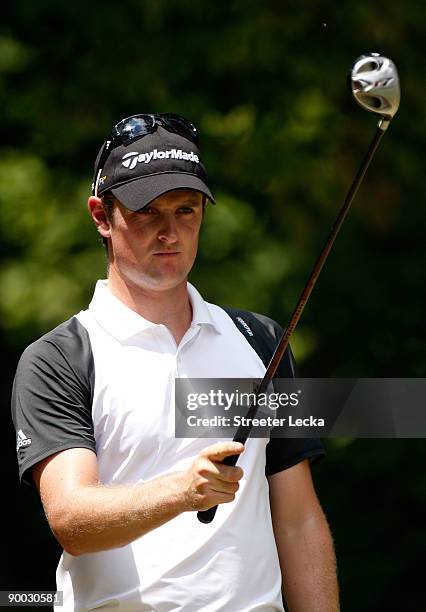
133,158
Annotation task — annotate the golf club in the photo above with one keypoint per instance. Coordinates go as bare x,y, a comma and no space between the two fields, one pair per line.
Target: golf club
375,86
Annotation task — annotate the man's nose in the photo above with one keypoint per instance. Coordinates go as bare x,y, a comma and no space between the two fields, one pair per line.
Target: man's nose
168,229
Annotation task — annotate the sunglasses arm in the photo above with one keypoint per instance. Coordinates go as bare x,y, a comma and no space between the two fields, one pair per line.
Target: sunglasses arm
102,159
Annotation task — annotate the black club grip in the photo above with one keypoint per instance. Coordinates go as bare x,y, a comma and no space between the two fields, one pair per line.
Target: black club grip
206,516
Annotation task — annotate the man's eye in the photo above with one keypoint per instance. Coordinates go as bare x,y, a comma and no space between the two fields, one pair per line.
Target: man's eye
146,211
186,210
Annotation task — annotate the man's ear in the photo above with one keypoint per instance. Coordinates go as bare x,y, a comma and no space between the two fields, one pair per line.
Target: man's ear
99,216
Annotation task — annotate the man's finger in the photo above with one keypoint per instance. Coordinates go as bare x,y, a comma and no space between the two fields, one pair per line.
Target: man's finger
220,486
218,452
228,473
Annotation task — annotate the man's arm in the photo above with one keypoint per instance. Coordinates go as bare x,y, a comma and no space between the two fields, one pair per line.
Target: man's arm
304,543
86,516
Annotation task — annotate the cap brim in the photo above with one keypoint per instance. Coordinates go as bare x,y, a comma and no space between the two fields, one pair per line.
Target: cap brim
139,193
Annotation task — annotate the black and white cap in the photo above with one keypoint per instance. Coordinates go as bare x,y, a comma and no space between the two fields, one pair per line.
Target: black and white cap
145,169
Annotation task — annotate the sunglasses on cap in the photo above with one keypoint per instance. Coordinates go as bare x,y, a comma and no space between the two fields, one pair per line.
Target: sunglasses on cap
137,126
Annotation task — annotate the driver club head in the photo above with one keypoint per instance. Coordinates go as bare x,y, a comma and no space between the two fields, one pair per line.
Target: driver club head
375,85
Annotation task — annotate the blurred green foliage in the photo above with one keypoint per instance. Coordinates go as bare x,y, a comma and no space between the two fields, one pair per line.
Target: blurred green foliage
282,139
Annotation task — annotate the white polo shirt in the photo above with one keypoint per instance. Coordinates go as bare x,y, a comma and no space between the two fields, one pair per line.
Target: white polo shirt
104,380
230,564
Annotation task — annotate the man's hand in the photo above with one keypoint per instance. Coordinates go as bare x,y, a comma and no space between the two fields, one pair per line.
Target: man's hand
87,516
208,482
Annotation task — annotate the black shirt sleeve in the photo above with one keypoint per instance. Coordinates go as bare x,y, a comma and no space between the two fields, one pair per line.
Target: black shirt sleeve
52,396
283,453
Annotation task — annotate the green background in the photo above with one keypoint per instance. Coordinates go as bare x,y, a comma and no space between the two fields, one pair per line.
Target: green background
266,82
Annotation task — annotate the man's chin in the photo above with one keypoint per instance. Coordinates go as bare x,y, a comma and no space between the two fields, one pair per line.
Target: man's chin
163,283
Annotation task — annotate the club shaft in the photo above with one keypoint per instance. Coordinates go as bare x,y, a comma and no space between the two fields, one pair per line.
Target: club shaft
319,264
243,433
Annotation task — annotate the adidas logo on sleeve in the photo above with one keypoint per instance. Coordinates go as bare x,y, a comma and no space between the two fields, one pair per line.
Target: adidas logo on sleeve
22,440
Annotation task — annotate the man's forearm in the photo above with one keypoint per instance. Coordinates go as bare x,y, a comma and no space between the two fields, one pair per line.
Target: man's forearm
308,566
102,517
87,517
304,543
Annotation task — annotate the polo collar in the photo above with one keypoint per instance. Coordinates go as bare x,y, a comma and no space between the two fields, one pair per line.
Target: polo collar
122,322
201,314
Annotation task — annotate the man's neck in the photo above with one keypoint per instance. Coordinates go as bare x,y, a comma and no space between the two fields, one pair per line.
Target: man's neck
171,307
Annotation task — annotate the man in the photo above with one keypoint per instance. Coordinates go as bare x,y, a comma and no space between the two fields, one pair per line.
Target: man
93,406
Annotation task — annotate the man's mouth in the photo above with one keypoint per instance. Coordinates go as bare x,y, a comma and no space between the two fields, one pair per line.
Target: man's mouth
166,253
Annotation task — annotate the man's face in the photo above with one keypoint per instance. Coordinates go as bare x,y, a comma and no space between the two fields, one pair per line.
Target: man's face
155,248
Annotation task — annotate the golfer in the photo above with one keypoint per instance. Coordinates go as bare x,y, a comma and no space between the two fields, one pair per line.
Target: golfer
93,407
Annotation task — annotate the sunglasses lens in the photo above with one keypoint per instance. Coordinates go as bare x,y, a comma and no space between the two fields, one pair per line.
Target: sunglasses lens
180,125
135,127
